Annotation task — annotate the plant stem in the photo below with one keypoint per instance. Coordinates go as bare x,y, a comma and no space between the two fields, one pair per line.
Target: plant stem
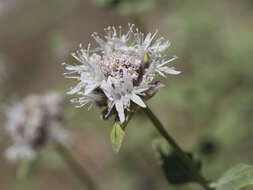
184,158
128,119
76,167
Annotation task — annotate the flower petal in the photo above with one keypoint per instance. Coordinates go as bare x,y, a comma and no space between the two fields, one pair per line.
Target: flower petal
120,110
90,87
136,99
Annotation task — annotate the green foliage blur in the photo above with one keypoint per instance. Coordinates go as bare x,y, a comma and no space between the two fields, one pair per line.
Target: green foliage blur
207,108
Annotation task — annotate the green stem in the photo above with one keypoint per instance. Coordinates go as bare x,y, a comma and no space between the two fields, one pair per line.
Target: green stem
128,119
184,158
76,167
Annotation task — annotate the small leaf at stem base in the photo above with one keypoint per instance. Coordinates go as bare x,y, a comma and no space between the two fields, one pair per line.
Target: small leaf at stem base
117,136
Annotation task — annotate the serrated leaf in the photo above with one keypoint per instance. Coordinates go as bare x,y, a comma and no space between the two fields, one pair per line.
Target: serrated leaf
236,178
174,169
117,136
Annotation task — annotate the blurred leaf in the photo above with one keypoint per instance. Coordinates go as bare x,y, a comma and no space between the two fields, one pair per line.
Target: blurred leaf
208,146
236,178
107,3
26,168
117,135
50,158
58,44
127,7
175,170
133,7
102,3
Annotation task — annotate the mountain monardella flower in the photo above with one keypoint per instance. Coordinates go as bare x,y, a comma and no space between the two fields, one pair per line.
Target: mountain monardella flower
33,122
119,74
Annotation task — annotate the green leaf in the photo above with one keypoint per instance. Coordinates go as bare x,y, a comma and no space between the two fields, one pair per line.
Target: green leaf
26,168
236,178
174,169
145,59
117,136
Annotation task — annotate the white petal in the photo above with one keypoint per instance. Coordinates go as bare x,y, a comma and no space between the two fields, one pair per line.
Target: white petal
142,89
99,40
168,61
136,99
89,88
160,73
77,88
169,70
120,110
110,106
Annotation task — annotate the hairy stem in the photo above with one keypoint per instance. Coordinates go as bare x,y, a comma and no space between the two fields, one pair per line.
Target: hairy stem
184,158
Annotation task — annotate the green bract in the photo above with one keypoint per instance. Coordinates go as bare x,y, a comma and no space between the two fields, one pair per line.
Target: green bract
236,178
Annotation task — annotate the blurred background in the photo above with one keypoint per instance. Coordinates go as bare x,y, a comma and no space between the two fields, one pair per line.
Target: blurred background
207,109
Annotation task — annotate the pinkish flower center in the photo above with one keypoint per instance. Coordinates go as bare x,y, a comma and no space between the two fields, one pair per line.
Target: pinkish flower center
114,64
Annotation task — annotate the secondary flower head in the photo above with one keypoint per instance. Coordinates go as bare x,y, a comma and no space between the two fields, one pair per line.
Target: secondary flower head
31,123
119,74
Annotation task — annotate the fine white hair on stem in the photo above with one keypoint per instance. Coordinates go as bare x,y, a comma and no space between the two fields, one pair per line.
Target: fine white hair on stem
120,73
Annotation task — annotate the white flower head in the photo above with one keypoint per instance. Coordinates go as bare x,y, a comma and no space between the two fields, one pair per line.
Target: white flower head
119,74
31,123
